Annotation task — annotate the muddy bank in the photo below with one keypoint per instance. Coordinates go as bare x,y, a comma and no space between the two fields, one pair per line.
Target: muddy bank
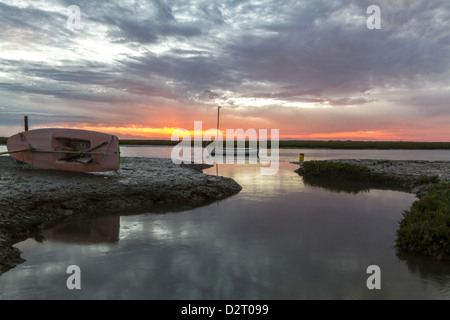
400,174
32,199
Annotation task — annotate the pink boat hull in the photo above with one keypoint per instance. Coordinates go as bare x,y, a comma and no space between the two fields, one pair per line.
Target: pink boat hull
69,140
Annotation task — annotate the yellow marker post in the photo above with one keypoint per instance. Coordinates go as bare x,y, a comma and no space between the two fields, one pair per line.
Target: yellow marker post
301,158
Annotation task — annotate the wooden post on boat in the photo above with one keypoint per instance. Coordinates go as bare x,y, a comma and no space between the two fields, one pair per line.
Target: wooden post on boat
25,120
15,151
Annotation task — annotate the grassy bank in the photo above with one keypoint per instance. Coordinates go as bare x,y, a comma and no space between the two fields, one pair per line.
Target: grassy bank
3,140
425,227
323,144
333,170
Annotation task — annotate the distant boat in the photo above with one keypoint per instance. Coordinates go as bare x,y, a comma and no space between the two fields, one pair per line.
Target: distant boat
66,149
237,151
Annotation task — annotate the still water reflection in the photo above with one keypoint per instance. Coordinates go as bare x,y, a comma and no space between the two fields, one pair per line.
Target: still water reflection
279,238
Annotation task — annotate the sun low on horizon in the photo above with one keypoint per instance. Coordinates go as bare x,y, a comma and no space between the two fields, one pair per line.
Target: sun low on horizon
145,69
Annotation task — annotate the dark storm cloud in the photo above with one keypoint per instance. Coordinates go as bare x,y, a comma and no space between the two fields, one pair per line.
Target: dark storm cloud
47,27
65,81
330,58
146,31
142,22
193,74
84,72
27,17
309,46
38,119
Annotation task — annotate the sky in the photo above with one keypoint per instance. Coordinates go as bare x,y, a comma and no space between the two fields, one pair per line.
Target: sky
312,69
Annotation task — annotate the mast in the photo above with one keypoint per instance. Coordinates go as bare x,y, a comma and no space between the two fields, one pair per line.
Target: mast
217,133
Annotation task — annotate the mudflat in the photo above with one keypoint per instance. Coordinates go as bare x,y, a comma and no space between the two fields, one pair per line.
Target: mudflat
402,174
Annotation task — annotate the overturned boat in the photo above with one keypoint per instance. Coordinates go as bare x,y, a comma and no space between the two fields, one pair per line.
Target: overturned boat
66,149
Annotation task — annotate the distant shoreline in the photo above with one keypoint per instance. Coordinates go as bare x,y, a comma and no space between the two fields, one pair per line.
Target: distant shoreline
308,144
384,145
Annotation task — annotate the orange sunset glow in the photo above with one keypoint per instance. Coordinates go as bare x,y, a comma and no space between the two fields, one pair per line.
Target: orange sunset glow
134,132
